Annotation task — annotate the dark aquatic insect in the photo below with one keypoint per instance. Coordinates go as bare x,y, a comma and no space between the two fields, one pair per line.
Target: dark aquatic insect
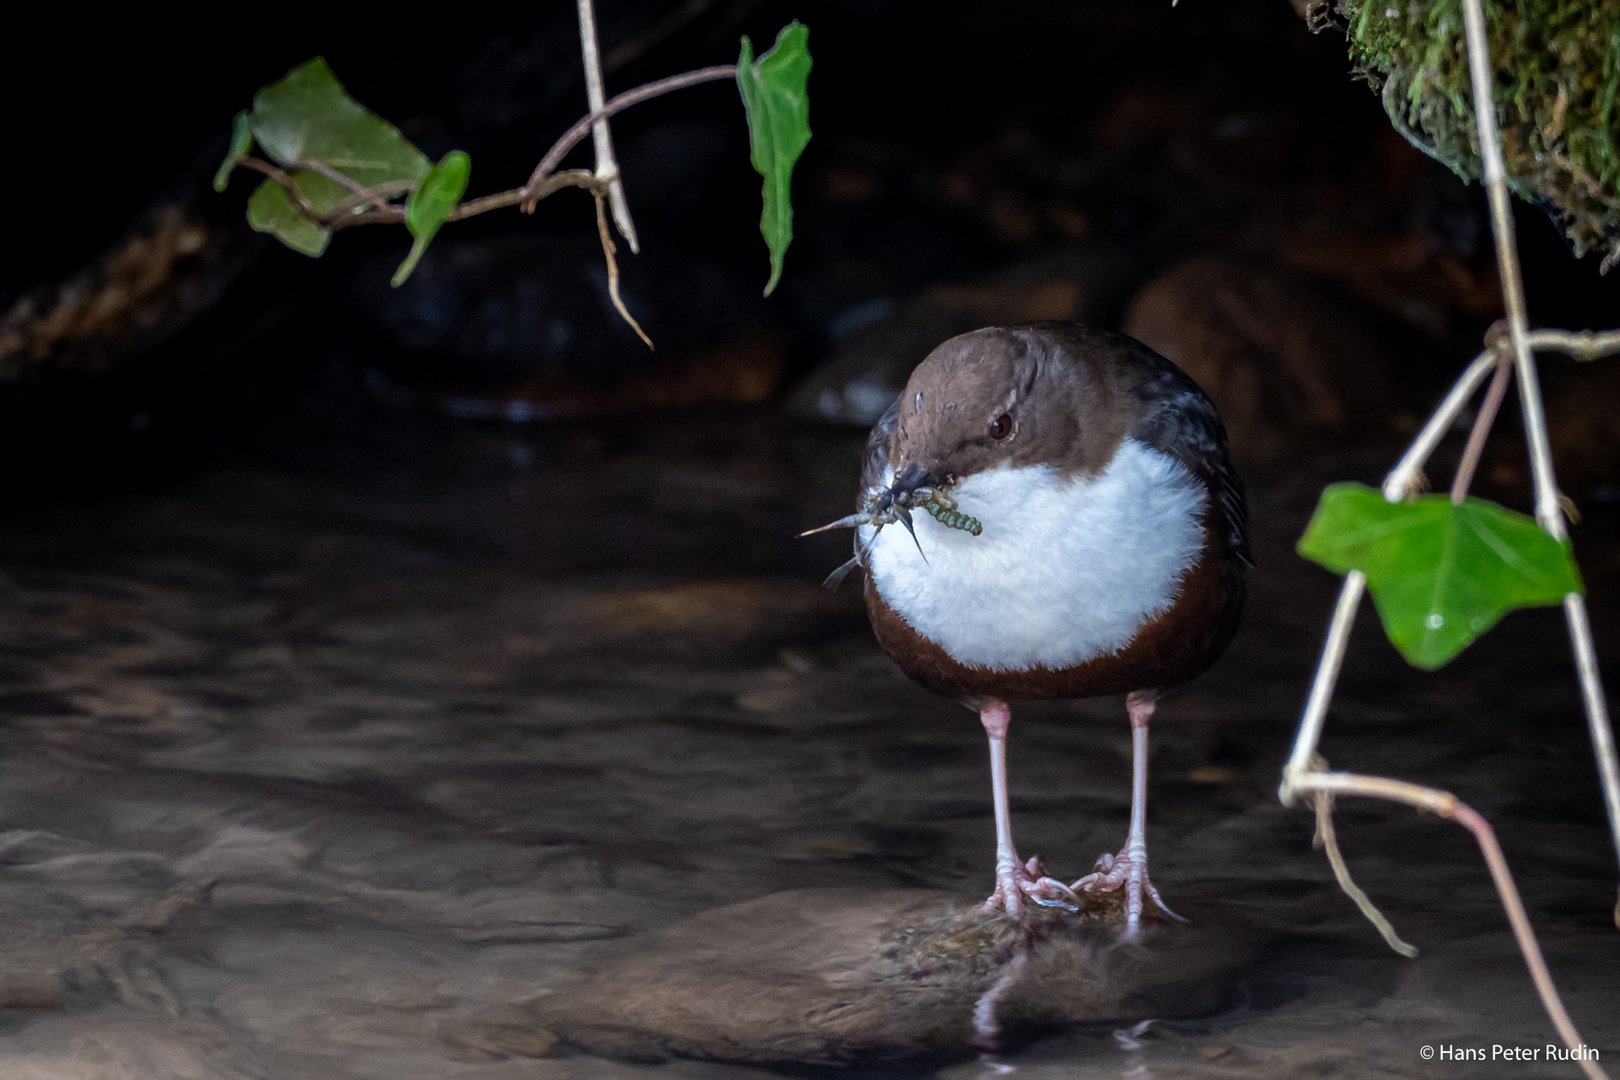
886,507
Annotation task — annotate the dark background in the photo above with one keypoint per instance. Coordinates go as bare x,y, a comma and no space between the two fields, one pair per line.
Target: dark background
952,142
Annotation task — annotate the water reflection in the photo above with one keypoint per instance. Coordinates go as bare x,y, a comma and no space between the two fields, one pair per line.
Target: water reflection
1129,1040
299,767
986,1028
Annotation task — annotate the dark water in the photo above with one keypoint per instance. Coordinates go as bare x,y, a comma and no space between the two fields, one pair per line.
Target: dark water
411,756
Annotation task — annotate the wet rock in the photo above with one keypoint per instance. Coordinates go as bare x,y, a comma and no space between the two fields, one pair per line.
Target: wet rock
884,339
1408,275
836,976
496,1033
1286,359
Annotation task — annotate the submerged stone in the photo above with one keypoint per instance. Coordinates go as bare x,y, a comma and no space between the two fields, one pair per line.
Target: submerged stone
854,976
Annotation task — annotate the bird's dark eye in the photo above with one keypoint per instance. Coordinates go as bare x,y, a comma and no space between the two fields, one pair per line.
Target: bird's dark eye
1001,427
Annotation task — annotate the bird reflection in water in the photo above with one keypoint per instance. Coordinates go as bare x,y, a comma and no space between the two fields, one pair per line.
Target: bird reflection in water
1130,1041
987,1027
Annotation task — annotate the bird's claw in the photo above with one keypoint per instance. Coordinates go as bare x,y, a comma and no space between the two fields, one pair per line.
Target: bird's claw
1015,882
1114,871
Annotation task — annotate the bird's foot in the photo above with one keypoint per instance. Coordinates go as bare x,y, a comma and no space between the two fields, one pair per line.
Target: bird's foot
1130,872
1015,881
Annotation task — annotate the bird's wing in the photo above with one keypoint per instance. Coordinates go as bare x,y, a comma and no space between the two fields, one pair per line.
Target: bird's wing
875,465
875,462
1177,418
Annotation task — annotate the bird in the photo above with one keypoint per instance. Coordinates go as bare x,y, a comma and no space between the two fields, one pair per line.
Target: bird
1073,528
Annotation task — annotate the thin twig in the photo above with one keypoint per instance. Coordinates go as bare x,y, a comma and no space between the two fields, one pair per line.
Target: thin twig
1580,344
1507,264
1548,510
607,167
330,173
580,178
1300,775
1398,485
390,214
378,195
573,135
341,214
1597,715
1449,806
542,182
286,182
1321,695
613,271
1326,839
1482,422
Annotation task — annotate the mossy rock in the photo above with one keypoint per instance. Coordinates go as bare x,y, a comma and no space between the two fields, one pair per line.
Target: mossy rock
1557,97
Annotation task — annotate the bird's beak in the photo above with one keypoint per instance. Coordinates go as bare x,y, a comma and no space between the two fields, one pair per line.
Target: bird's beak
907,482
899,497
894,504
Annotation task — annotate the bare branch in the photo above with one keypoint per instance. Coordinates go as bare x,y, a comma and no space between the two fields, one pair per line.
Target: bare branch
1402,478
341,214
607,167
378,196
1580,344
280,177
580,178
387,215
1486,416
573,135
542,182
330,173
1448,805
1327,839
613,271
1548,511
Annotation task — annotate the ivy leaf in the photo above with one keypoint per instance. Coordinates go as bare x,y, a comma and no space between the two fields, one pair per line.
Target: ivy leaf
778,107
241,143
270,209
1440,575
430,202
308,116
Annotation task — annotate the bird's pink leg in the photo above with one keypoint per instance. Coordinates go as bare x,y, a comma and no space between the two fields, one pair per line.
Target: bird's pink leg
1129,868
1014,879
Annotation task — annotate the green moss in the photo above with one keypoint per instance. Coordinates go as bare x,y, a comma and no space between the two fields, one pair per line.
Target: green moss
1557,98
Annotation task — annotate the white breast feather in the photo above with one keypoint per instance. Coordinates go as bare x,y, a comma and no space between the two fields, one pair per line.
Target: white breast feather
1065,571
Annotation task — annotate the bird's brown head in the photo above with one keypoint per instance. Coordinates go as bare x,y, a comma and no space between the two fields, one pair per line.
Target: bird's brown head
1016,396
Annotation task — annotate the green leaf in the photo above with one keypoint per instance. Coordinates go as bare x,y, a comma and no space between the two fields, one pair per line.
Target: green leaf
308,116
778,108
1440,575
241,143
430,202
270,209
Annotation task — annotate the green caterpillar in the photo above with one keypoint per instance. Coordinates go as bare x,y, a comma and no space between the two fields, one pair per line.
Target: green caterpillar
952,518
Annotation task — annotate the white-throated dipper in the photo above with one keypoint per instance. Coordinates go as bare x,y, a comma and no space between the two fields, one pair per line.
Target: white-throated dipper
1083,534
